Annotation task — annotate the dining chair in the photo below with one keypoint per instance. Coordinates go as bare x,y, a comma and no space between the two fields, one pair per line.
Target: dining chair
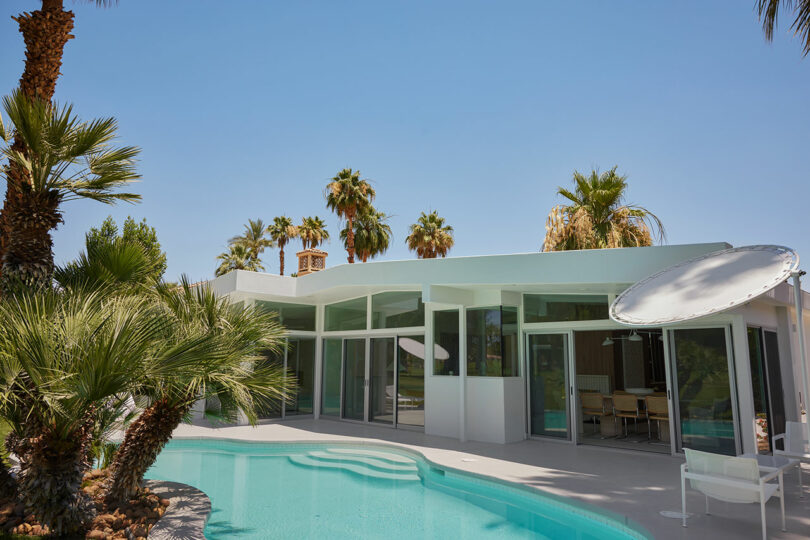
658,410
626,406
593,405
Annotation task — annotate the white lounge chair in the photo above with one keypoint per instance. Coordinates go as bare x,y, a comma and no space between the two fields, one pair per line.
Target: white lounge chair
796,446
730,479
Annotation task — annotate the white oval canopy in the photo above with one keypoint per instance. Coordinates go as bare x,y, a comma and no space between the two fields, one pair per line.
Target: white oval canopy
705,285
418,349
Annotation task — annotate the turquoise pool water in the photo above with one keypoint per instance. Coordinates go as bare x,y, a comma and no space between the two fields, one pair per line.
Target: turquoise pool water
332,491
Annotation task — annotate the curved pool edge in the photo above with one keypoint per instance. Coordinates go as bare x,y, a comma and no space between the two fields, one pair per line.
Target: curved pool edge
187,514
585,509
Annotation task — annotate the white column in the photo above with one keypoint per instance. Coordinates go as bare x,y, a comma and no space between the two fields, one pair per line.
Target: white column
797,295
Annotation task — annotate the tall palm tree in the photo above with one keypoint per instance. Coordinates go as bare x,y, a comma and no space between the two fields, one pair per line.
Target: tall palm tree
238,257
65,159
254,238
237,375
45,33
429,237
596,216
312,232
768,11
347,195
282,230
372,234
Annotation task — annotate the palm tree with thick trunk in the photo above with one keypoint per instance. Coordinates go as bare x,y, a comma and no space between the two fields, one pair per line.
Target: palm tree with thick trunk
237,376
312,232
45,32
347,195
596,216
64,159
768,11
430,237
282,230
63,355
372,234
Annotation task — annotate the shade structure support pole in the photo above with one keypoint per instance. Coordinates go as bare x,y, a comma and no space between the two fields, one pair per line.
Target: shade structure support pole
797,296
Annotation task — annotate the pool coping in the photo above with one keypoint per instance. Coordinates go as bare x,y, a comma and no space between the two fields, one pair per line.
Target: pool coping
590,511
187,514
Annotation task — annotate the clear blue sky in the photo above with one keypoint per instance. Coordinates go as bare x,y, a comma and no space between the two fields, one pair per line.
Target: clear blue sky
245,109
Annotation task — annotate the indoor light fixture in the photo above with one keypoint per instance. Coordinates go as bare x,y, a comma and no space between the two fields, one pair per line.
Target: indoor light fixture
607,342
634,336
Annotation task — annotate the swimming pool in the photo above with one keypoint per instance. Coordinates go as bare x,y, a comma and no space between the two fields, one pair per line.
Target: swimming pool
337,491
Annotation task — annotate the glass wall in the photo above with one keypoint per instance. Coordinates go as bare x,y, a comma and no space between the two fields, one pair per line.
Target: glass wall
301,364
548,368
383,362
354,379
705,406
492,342
292,316
268,408
540,308
397,310
332,360
445,342
411,395
348,315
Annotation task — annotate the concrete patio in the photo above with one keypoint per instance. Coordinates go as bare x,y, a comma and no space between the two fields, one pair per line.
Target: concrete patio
637,485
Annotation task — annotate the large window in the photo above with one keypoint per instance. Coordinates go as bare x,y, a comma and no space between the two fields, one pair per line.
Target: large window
540,308
292,316
492,342
301,364
445,342
332,360
397,310
348,315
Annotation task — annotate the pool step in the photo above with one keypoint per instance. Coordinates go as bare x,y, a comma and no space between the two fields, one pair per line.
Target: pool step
364,459
378,454
356,467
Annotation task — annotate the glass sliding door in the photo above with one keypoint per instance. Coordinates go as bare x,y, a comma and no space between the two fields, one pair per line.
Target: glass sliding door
705,400
775,392
411,381
759,383
548,383
382,392
301,364
354,379
331,383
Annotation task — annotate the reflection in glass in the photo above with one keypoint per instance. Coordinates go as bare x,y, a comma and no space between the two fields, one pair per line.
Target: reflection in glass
354,378
267,408
381,407
775,391
292,316
411,395
348,315
332,358
539,308
398,309
704,390
548,364
301,364
492,342
446,342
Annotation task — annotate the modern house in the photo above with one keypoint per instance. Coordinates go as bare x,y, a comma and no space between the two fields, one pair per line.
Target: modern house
507,347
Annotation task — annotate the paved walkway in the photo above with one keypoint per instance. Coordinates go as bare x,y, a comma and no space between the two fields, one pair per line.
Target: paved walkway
637,485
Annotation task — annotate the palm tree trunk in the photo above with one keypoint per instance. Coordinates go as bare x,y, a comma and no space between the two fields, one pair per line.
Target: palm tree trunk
143,441
51,478
281,258
8,487
45,33
350,237
28,260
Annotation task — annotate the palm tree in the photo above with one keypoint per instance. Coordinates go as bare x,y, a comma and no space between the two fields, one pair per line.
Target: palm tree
63,355
120,263
598,218
238,257
348,195
768,11
254,238
65,159
45,33
429,237
282,230
312,232
237,376
372,234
